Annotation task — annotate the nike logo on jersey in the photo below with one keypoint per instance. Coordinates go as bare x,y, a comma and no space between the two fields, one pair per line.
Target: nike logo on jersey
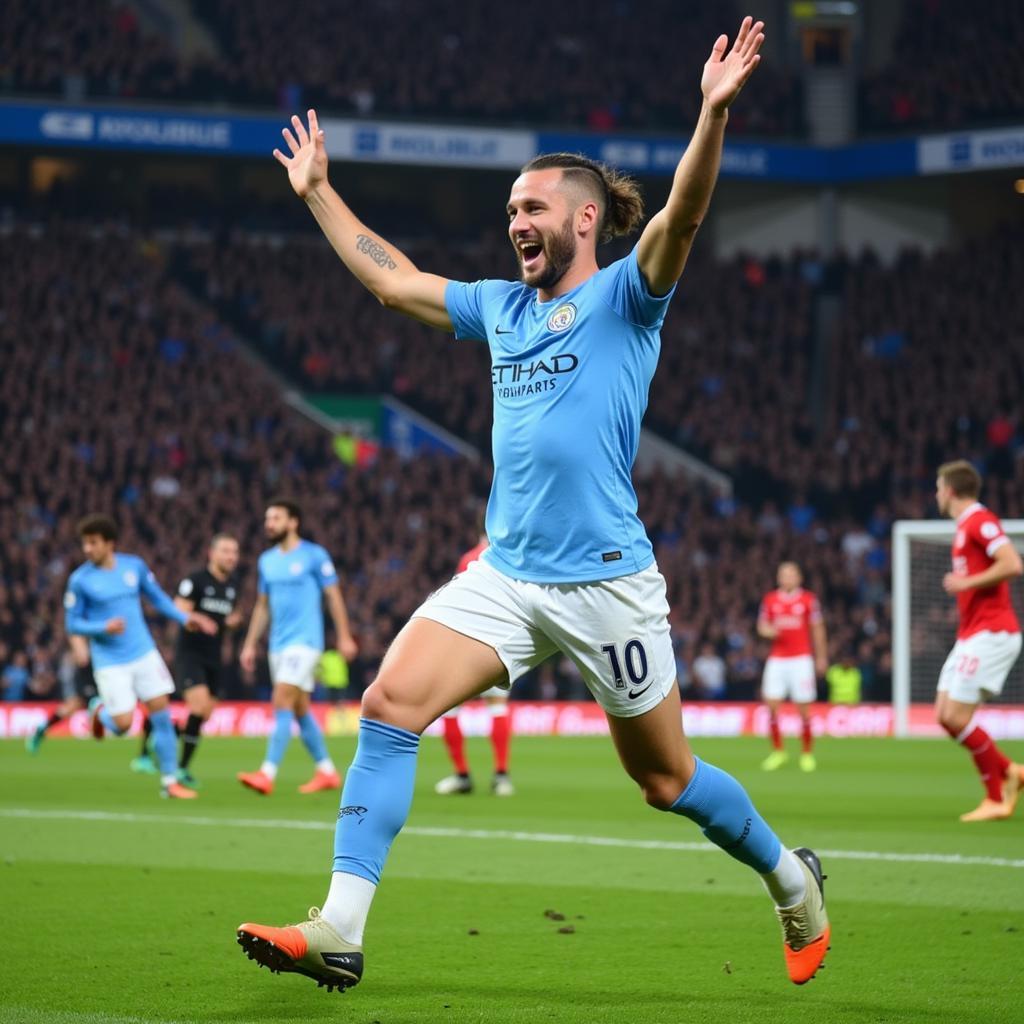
498,330
633,694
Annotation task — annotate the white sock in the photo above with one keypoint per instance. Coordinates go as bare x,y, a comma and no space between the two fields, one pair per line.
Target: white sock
326,765
787,884
348,905
269,769
166,780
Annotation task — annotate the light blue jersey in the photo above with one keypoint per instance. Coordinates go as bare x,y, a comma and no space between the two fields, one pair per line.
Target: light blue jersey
95,596
570,379
293,582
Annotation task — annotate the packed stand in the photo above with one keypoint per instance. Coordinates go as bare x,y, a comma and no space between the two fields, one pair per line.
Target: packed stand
120,394
144,405
928,363
738,338
951,65
621,64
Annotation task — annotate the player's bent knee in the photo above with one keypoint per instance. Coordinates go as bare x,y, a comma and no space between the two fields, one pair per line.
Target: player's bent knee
953,722
377,702
662,791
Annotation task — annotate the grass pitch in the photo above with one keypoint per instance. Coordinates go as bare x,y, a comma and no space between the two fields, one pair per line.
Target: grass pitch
121,908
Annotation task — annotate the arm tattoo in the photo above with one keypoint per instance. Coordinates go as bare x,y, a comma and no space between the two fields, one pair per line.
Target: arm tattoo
375,251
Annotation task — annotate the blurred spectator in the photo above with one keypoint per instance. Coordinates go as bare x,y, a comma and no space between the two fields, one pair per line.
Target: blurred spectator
844,681
15,677
709,673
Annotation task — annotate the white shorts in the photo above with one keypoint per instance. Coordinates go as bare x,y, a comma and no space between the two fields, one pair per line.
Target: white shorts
616,631
122,686
295,665
790,679
978,666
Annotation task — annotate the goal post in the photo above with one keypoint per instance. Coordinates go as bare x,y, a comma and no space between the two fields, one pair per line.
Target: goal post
924,617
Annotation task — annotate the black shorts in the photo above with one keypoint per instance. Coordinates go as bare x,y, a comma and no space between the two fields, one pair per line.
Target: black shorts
85,684
191,671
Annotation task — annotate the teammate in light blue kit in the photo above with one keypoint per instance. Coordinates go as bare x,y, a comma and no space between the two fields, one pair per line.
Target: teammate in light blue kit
292,577
573,349
103,603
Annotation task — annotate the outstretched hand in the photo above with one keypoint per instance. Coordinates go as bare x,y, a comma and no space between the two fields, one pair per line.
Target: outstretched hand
307,166
726,73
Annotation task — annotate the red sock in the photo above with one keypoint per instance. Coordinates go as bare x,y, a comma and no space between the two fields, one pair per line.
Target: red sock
775,732
990,761
501,733
456,745
807,737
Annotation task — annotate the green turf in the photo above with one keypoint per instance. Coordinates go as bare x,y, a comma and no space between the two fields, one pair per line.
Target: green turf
131,920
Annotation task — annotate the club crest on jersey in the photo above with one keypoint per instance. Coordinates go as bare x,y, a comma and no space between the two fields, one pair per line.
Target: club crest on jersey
131,578
295,568
563,318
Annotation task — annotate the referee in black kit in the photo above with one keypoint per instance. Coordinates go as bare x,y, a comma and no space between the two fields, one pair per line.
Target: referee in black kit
198,668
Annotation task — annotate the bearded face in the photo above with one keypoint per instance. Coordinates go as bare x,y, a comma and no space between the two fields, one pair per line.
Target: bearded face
544,259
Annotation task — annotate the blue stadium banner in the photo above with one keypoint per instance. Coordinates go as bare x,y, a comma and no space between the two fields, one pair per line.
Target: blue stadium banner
431,145
239,135
135,128
971,151
769,162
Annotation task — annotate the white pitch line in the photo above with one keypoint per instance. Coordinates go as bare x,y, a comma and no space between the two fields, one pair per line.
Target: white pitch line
957,859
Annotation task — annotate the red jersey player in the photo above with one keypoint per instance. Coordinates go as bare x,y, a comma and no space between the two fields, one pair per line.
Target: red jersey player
988,640
791,618
501,731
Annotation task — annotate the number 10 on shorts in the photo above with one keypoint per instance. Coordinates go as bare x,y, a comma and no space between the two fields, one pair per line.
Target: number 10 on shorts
634,659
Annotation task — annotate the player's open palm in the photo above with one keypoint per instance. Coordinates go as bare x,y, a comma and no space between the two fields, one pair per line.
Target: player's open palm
726,73
307,165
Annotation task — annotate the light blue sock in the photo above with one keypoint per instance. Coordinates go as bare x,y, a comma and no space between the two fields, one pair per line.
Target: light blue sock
165,743
108,722
720,805
312,737
281,736
376,798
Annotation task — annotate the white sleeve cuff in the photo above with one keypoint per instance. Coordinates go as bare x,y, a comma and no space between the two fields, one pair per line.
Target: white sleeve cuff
996,544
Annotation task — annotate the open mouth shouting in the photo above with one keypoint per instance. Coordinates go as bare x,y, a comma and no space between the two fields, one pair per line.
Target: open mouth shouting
530,252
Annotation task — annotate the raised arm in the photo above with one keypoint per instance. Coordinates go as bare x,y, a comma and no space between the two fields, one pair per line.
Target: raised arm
392,277
665,243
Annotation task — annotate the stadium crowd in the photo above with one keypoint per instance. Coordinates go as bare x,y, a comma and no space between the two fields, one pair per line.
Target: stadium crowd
144,404
606,65
120,394
949,67
735,383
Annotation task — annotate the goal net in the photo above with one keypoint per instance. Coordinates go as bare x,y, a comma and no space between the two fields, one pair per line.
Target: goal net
924,617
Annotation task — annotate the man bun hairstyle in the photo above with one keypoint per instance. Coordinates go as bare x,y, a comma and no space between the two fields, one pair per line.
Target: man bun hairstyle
97,525
290,506
618,195
961,478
